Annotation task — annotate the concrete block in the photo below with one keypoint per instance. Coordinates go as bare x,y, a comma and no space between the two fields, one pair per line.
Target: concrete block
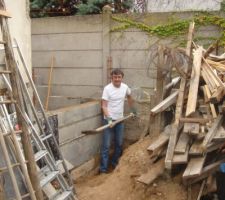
68,59
79,151
56,102
131,40
71,91
70,41
74,114
83,170
139,78
69,76
74,130
133,59
70,24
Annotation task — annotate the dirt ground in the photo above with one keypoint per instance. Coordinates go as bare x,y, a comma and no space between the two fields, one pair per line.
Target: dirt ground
121,184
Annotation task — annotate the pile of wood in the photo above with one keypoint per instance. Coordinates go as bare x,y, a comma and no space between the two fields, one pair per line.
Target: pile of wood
195,137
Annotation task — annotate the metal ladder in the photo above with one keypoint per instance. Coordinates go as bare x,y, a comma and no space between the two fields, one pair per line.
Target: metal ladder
19,96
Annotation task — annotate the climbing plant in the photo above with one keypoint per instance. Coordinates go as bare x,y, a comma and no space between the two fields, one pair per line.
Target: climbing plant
176,28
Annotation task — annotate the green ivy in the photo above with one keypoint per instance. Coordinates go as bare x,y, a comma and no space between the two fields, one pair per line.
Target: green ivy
177,28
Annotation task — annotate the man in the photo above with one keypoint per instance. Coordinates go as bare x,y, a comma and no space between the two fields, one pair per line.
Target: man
113,98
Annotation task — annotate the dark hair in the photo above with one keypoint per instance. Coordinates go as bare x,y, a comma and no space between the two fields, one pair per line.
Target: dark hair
117,71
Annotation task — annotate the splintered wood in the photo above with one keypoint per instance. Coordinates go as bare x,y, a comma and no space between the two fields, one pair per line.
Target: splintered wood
196,134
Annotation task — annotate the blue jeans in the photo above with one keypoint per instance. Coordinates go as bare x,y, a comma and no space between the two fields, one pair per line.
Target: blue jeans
117,132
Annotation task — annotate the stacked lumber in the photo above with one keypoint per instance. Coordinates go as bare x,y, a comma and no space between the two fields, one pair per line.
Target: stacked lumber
196,135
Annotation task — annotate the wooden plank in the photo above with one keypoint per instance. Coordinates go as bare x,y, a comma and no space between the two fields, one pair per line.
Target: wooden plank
179,107
173,83
220,135
208,83
181,158
194,167
196,149
182,143
213,74
5,13
163,105
161,141
212,131
194,120
217,95
212,107
201,189
155,171
194,82
159,89
49,82
206,171
191,128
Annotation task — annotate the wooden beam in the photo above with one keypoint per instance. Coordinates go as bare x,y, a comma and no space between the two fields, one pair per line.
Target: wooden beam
182,143
206,171
194,167
194,120
163,105
154,172
212,107
181,158
194,82
212,131
179,107
191,128
161,141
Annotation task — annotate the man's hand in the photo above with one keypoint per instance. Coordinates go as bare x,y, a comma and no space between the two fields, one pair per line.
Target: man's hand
133,110
110,122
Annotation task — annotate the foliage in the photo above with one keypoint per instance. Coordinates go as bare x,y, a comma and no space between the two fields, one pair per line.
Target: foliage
92,7
176,28
42,8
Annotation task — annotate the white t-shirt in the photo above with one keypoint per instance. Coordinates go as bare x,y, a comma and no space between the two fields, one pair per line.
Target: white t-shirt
115,97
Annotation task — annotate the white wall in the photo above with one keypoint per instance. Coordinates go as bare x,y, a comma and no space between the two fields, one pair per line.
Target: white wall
183,5
20,27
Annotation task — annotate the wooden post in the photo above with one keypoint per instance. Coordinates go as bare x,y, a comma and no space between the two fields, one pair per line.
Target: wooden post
2,193
49,82
179,108
106,18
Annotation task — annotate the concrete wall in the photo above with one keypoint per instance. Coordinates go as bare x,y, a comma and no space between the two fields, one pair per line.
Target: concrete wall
76,147
81,46
183,5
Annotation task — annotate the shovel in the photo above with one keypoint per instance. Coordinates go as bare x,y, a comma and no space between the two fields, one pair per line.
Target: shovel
89,132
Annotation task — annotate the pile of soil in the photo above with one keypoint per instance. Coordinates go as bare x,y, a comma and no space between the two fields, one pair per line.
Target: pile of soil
121,184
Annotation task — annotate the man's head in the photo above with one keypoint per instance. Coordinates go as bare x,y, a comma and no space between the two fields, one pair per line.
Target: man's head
117,77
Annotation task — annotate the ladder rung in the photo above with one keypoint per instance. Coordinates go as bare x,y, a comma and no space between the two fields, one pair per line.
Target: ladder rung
40,154
5,168
9,133
25,195
2,42
5,71
51,176
46,137
2,169
63,195
7,101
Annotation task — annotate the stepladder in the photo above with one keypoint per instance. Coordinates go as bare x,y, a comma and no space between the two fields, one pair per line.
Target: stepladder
28,157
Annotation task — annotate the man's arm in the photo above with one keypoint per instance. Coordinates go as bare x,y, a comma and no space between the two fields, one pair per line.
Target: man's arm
130,101
104,108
